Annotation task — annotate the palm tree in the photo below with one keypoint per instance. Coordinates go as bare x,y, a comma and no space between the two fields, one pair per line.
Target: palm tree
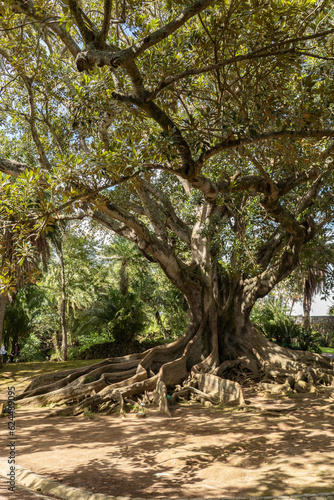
319,263
135,273
19,268
56,239
69,283
313,283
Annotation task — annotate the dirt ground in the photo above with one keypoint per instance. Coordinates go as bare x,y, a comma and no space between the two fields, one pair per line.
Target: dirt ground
272,447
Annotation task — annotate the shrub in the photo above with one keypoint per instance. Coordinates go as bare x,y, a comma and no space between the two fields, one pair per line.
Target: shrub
272,320
114,317
309,340
32,350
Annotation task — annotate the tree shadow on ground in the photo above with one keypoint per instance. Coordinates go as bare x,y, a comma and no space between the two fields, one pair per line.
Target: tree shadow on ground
205,452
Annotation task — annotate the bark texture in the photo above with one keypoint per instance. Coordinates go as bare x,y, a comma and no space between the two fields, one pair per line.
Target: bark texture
199,365
3,303
213,253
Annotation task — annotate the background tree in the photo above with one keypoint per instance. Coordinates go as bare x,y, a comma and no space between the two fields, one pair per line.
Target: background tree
74,271
314,275
163,303
18,319
22,251
200,131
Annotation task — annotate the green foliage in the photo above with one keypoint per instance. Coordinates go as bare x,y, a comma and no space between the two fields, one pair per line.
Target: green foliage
164,306
309,340
88,414
272,320
228,99
32,350
83,278
114,317
17,323
97,311
19,316
85,341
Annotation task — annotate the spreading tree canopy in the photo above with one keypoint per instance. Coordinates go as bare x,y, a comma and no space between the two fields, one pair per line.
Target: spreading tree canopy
202,131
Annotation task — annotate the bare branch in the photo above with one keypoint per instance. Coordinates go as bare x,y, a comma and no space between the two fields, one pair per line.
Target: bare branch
177,225
233,143
12,167
83,144
311,54
50,20
85,26
270,248
285,218
315,189
274,190
127,55
154,214
167,124
54,134
125,224
106,23
103,127
261,285
112,224
32,122
315,172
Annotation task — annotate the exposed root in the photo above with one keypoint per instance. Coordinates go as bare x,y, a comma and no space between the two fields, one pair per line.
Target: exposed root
186,391
192,361
118,396
161,397
63,378
227,391
284,370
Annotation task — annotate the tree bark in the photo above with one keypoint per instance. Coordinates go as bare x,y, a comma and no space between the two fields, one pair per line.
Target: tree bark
63,304
3,303
219,350
307,302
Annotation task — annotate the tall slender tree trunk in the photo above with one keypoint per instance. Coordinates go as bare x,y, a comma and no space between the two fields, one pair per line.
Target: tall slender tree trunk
307,303
3,303
160,323
124,278
63,304
56,340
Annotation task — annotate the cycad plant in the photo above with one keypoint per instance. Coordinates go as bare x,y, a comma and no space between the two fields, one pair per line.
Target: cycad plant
115,316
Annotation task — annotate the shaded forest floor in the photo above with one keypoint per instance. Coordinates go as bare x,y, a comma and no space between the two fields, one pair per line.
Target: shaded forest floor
277,445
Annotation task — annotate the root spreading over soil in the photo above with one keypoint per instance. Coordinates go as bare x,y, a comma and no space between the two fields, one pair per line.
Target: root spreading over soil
167,373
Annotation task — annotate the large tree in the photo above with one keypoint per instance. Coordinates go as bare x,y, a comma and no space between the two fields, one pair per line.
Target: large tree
202,131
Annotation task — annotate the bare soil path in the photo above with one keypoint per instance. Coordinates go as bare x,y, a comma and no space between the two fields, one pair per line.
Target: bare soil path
273,447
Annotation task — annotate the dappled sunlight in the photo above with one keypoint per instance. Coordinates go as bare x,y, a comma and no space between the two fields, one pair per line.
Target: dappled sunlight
200,452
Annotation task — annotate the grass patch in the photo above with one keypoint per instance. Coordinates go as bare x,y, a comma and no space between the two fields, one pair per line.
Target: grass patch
37,368
327,349
20,374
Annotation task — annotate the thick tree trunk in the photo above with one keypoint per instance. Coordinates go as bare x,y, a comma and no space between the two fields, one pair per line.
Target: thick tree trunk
219,350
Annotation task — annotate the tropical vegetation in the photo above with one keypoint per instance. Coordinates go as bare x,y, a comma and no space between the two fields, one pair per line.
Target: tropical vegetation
201,132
